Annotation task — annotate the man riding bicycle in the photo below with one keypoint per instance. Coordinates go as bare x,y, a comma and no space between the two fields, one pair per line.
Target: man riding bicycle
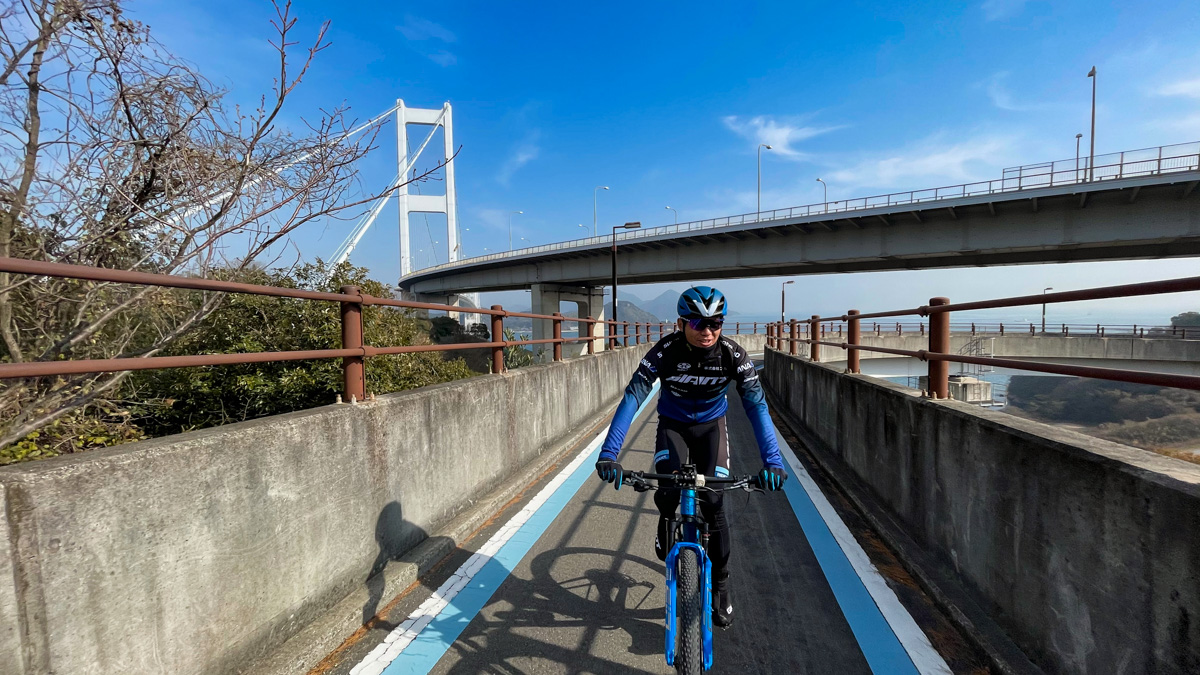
696,365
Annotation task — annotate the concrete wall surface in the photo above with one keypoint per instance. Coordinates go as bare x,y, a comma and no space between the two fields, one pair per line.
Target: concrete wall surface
1018,345
1085,552
200,552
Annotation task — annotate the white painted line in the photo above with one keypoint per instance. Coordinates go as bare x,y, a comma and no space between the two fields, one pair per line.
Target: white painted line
926,659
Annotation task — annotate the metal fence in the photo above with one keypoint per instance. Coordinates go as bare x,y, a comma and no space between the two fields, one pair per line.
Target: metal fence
788,335
353,350
1126,164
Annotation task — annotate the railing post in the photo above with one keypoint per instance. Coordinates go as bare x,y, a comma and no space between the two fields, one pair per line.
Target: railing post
972,329
755,328
591,343
814,351
793,334
625,333
557,336
1031,329
853,338
939,343
922,329
353,386
1002,329
610,330
498,336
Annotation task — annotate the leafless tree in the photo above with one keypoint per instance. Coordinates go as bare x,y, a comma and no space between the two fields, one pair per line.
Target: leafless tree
117,154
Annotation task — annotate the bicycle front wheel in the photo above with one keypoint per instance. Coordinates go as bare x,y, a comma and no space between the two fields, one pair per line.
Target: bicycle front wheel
689,657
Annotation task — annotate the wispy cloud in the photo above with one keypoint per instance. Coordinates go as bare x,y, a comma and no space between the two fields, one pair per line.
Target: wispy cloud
1188,88
418,30
780,135
525,152
931,163
1002,98
994,10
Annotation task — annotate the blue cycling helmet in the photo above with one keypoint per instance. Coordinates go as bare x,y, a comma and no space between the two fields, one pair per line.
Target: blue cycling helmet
701,302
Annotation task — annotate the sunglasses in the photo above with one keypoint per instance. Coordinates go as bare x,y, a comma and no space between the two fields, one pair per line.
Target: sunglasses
705,324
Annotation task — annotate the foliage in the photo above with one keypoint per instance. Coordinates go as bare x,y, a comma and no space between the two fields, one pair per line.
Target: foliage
1186,319
116,154
180,399
515,356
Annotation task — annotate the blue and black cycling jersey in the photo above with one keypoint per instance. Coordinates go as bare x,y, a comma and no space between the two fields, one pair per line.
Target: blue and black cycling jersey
693,390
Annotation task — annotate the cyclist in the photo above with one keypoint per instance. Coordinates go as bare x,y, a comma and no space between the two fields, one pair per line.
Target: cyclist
696,365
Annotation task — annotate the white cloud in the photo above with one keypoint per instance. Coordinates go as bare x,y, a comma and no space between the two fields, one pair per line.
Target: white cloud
994,10
1189,88
1002,98
416,28
779,135
525,152
443,58
931,163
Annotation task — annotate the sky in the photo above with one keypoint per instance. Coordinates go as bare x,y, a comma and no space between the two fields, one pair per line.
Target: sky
666,104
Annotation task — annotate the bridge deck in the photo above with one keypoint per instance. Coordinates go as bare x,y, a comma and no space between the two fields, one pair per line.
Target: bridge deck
577,588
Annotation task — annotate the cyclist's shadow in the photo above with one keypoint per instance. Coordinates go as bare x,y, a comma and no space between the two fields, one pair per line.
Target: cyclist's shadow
395,536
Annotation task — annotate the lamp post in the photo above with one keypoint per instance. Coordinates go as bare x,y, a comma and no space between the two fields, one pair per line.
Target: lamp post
676,214
583,226
510,227
1092,140
783,299
1044,309
760,147
594,193
1078,137
825,189
626,226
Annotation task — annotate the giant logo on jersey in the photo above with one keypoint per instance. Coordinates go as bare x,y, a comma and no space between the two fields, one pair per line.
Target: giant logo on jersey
697,379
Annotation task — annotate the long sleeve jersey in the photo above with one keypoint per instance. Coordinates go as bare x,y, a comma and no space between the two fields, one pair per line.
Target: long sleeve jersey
693,390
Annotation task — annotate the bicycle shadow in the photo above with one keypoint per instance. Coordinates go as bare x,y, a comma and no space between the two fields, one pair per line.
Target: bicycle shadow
593,600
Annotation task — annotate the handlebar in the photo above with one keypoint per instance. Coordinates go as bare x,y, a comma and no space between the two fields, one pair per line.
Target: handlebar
639,480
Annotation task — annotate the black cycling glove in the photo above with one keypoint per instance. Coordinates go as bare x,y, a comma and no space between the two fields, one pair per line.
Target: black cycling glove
609,472
772,477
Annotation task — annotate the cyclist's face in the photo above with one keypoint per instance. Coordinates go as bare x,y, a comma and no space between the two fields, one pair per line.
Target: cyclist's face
705,337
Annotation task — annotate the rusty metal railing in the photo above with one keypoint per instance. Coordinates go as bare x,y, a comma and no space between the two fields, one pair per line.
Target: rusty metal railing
817,329
353,351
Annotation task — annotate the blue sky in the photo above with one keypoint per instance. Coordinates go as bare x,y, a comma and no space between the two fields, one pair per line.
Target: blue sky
666,104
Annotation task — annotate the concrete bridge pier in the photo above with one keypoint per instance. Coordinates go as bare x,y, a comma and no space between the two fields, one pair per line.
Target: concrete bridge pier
465,300
546,298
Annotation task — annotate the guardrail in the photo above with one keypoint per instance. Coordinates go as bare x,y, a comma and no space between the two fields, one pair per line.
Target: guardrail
938,355
353,351
1126,164
974,328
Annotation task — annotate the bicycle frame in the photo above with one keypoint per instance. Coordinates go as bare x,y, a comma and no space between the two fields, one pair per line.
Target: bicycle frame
691,539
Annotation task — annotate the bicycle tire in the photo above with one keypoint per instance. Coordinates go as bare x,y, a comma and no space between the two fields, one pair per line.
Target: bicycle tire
689,658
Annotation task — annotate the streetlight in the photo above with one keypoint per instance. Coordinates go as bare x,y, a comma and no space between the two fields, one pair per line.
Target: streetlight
1077,139
626,226
510,227
826,188
594,193
1092,152
783,299
676,214
1044,309
583,226
760,147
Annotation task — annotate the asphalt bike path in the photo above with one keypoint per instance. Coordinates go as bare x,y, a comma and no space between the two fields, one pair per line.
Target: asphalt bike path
570,584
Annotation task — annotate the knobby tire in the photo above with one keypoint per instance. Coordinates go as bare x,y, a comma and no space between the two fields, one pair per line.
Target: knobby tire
689,657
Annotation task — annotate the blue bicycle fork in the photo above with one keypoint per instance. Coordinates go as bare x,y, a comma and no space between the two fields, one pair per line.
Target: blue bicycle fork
690,539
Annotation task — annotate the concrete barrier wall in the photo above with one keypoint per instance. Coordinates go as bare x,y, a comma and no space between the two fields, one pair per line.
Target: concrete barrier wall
1084,551
200,552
